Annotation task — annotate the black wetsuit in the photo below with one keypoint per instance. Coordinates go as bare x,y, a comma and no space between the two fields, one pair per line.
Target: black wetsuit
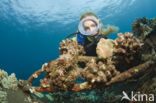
90,46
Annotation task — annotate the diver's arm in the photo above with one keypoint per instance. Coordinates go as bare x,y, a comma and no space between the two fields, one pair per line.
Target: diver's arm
89,46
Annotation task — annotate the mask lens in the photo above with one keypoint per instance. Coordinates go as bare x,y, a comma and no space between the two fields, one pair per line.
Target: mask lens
88,26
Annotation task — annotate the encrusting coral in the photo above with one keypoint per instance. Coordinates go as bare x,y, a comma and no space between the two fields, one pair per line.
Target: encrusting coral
124,61
105,48
66,70
62,73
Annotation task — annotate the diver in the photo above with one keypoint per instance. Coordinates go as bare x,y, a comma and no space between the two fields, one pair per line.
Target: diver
90,32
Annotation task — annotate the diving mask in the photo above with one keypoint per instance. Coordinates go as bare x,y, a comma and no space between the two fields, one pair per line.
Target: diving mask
82,29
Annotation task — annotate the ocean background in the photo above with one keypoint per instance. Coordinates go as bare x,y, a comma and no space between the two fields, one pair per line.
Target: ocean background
31,30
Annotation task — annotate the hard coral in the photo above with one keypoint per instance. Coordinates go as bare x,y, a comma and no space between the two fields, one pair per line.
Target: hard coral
8,82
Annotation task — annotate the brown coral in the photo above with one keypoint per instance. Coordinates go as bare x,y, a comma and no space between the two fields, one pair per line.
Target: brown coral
122,61
127,51
62,72
99,73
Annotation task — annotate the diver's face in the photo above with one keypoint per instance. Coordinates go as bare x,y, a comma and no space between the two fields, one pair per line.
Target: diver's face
89,25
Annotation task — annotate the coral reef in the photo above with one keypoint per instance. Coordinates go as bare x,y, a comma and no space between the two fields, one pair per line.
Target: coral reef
145,30
8,82
99,73
124,53
127,52
10,92
3,97
124,61
128,62
62,73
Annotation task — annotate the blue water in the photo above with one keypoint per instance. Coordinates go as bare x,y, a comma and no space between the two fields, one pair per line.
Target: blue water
31,30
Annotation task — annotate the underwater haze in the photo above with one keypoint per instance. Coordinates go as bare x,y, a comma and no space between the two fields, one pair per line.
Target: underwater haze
31,30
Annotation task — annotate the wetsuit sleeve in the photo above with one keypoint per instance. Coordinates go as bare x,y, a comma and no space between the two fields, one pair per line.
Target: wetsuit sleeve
80,38
89,45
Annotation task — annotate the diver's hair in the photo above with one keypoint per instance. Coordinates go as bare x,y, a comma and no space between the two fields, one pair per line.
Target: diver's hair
88,14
